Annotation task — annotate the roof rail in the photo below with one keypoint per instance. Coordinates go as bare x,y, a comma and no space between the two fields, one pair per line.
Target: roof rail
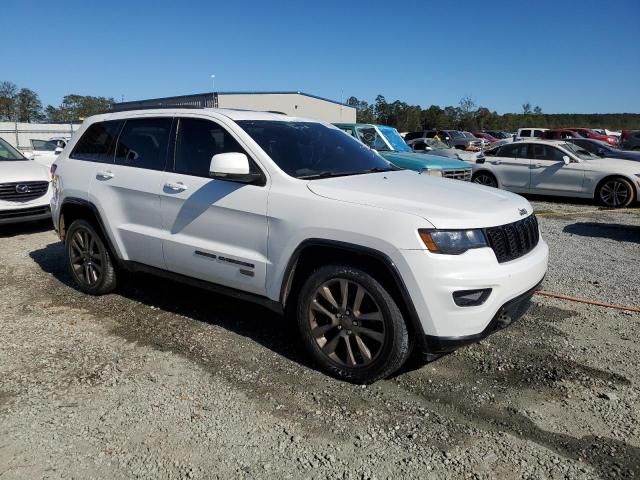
125,108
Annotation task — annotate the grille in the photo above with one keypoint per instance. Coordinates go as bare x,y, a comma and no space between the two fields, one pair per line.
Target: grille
462,174
23,212
22,191
515,239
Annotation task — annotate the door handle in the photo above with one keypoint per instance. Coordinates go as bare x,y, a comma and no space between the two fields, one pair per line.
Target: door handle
537,165
106,174
176,187
497,162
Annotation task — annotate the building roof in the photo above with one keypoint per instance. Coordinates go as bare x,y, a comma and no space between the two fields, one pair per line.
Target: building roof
208,95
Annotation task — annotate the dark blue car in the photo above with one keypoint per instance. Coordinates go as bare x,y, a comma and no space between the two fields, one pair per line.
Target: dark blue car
603,149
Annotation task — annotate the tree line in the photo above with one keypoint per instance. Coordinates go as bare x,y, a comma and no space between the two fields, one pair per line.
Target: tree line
471,117
24,105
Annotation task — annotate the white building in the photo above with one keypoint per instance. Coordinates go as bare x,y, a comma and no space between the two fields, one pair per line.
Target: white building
20,134
297,104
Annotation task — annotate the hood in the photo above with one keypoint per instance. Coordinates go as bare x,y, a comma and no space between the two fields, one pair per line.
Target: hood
442,202
612,165
22,171
418,161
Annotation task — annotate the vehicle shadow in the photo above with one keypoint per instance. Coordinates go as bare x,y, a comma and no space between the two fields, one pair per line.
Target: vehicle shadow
25,228
612,231
273,331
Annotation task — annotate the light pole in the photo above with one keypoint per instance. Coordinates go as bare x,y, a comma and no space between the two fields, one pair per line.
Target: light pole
213,91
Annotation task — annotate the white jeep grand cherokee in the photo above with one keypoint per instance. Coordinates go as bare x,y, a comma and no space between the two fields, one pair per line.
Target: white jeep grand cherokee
371,261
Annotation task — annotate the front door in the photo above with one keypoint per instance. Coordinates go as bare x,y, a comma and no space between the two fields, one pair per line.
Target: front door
214,230
549,173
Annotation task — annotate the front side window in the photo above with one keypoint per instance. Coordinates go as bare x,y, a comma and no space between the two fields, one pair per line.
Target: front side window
525,133
8,153
312,150
97,144
545,152
372,139
143,143
198,140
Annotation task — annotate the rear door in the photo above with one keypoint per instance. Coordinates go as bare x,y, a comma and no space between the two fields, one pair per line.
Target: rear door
511,166
549,173
215,230
127,191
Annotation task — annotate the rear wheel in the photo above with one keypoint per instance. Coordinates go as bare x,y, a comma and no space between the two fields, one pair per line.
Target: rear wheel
90,262
485,178
351,325
615,192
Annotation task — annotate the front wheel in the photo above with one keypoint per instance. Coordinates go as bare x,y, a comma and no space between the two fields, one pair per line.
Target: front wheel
89,259
351,325
615,192
485,178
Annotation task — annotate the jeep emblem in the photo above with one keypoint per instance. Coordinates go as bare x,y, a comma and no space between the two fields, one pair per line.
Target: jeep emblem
522,211
22,188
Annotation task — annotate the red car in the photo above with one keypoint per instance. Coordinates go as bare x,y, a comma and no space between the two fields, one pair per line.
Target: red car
560,134
588,133
486,136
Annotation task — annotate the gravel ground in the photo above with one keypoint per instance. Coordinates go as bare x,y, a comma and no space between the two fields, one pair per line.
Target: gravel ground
163,381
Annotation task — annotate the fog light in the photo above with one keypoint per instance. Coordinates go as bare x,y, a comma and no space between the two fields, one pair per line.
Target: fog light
471,298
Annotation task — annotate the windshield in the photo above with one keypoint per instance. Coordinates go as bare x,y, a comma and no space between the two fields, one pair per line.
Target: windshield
437,145
394,138
372,139
468,134
580,152
313,150
7,152
455,134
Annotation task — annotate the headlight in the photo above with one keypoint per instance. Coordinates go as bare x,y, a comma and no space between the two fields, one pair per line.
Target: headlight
452,242
434,172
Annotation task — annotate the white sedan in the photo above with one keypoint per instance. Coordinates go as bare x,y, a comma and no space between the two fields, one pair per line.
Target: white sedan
559,168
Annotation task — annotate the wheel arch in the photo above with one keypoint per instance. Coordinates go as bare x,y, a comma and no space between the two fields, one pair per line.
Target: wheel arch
74,208
634,187
490,172
313,253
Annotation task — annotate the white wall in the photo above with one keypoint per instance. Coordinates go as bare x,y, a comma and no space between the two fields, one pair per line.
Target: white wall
20,134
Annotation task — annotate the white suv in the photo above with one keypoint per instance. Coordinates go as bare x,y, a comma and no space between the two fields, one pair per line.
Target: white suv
371,261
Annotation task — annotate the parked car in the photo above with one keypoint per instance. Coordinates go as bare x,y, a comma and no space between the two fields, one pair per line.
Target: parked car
485,136
630,140
588,133
390,145
500,135
529,133
46,151
559,134
603,149
551,167
436,147
296,216
453,138
24,187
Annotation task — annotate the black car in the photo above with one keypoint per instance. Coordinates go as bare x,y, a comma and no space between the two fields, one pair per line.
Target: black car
603,149
631,140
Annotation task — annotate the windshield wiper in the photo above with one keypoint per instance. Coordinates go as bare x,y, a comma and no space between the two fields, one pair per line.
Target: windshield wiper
330,174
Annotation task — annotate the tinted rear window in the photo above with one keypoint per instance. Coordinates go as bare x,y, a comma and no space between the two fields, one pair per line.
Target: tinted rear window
525,133
98,142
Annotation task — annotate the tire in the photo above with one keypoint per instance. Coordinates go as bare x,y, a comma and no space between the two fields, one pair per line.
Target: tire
485,178
342,342
615,192
89,260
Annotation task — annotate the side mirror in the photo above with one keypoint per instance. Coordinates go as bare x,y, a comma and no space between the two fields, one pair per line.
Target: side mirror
232,166
57,151
566,159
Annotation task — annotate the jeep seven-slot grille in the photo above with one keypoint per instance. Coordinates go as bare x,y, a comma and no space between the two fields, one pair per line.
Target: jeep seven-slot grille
462,174
22,191
515,239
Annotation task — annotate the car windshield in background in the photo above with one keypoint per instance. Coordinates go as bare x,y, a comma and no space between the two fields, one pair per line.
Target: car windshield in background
468,134
7,152
455,134
580,152
394,138
313,150
437,145
372,139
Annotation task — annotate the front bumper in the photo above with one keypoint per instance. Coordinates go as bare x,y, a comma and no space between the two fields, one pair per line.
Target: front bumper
509,313
30,214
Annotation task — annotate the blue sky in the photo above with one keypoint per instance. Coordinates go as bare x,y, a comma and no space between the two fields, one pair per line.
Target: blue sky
564,55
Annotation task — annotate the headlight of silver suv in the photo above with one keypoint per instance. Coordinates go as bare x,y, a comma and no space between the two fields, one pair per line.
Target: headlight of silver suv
434,172
452,242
